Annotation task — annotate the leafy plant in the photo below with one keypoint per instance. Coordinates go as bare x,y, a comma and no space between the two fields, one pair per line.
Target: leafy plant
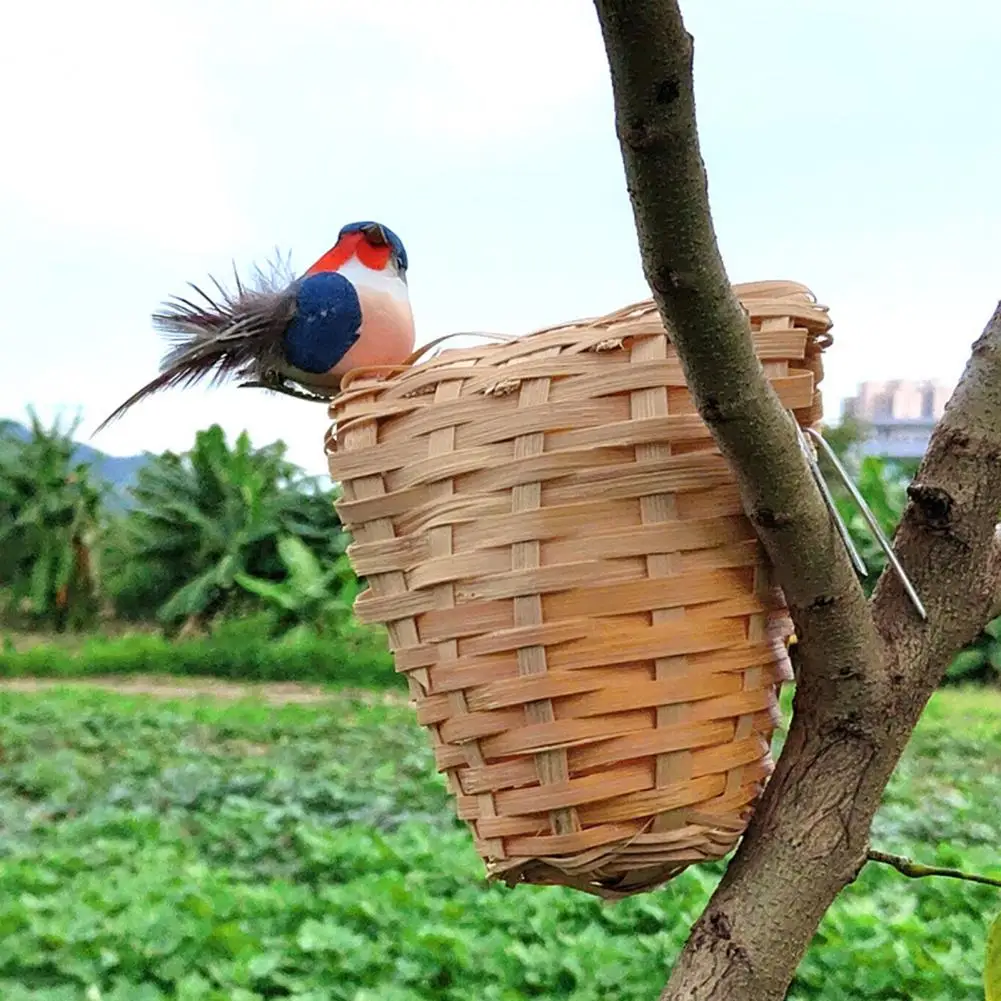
198,850
846,439
883,484
311,596
50,522
981,660
204,517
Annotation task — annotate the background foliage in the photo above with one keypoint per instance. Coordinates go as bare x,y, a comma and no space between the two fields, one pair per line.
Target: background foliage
227,545
50,523
225,559
203,852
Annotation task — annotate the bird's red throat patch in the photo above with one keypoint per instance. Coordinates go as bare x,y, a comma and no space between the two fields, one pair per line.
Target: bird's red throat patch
351,245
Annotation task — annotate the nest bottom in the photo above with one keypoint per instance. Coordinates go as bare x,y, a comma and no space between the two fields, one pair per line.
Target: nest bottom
647,818
634,866
613,771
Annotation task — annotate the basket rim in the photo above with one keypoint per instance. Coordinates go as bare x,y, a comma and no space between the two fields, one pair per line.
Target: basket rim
760,299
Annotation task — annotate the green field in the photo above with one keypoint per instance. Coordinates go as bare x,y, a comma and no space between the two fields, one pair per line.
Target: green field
197,850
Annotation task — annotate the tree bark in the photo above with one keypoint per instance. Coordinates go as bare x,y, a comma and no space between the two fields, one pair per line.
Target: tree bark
865,670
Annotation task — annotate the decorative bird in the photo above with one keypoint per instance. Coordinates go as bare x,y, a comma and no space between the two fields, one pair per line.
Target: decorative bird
350,309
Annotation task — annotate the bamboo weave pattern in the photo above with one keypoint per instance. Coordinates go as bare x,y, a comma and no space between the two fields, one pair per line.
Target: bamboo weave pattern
583,612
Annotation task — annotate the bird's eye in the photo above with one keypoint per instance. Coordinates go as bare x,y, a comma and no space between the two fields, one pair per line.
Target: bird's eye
376,236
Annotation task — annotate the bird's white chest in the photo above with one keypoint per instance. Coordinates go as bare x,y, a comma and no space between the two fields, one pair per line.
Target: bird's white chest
386,336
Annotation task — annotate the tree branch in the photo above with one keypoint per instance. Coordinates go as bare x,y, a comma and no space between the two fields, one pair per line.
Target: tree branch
650,56
995,569
915,870
863,677
947,536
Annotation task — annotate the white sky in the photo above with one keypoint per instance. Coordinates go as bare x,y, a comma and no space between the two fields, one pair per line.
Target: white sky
852,146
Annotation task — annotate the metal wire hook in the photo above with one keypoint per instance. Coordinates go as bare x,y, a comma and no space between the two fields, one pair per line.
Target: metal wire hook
870,518
856,557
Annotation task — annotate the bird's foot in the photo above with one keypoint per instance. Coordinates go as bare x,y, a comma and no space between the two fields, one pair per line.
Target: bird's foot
277,383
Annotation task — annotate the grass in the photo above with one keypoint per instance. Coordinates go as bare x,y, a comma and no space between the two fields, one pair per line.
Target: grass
204,851
237,650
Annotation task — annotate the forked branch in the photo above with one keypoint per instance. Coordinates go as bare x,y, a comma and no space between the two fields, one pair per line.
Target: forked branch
864,673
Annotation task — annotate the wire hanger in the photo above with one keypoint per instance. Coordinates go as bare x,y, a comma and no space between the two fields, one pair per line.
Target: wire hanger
804,437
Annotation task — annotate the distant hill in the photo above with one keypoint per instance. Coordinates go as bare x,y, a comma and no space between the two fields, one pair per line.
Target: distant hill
117,470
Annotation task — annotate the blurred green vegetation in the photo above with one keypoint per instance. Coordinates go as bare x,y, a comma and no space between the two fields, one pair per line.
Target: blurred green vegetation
202,521
255,648
224,560
200,851
199,538
206,852
227,533
51,520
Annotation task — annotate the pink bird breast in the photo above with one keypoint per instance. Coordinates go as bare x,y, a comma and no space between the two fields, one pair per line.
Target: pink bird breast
386,336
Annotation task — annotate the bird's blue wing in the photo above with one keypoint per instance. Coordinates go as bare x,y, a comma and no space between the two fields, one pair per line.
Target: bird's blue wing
327,322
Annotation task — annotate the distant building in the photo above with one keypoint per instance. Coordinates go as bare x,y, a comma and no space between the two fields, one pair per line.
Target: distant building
899,415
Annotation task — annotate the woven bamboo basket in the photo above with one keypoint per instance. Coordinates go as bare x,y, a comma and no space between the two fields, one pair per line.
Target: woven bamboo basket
585,616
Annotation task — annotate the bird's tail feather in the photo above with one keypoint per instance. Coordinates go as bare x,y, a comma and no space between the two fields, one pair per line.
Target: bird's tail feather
229,333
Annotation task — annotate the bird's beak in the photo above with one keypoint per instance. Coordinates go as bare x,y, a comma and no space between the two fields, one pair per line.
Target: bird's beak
376,235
